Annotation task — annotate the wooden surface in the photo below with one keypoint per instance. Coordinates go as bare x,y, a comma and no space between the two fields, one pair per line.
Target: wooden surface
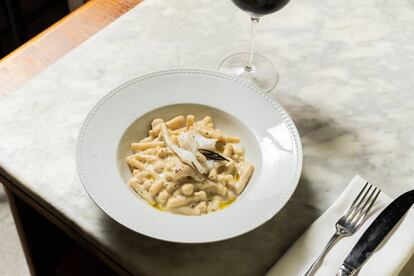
18,196
50,45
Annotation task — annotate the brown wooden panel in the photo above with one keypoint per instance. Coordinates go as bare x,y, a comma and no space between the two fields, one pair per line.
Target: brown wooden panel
49,250
15,192
50,45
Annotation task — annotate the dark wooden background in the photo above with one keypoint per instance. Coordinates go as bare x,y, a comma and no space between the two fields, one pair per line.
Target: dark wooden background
51,246
21,20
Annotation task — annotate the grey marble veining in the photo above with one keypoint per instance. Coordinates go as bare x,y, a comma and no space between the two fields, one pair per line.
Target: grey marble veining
346,72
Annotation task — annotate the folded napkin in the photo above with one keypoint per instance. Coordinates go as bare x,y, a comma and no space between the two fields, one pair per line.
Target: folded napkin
388,260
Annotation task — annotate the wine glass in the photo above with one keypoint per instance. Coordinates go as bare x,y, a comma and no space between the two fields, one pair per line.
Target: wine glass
250,66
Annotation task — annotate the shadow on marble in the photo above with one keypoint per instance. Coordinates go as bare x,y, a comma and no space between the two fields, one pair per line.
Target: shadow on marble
253,252
408,270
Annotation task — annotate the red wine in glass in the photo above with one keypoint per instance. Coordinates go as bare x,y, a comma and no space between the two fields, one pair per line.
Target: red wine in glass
250,66
260,7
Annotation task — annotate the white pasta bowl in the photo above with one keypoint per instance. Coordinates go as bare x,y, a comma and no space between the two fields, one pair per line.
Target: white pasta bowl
123,116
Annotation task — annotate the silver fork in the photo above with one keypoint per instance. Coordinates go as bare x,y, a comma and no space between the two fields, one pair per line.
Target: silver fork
349,223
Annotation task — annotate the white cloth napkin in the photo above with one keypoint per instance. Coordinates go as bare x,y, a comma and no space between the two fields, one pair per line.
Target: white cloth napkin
388,260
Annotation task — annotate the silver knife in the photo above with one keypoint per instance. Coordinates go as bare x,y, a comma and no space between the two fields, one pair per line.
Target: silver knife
376,233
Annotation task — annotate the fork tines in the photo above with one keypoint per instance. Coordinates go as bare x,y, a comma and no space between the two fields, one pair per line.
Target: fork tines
360,207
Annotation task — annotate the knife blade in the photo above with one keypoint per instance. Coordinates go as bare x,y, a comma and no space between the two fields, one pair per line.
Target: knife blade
376,233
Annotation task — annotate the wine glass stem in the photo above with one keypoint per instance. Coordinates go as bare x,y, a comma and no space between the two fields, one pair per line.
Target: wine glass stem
254,22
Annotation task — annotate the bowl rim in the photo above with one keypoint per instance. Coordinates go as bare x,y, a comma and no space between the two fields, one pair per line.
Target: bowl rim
284,115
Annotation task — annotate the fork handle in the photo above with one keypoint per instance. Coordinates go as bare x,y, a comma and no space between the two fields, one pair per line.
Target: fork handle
315,265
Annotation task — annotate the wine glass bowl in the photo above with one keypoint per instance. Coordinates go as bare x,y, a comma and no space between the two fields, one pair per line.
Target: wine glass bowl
251,66
260,7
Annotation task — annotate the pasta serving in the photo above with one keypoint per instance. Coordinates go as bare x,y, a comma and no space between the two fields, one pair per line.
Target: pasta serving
188,167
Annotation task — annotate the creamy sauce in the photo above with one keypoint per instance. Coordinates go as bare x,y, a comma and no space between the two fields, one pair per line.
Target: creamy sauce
166,176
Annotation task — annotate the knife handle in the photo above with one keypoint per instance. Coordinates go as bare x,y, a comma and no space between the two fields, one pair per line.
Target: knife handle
345,270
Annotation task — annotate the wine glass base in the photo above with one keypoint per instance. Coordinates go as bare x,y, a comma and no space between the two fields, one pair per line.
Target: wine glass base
262,74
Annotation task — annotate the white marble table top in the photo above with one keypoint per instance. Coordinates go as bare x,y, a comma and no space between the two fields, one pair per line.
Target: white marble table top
346,77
